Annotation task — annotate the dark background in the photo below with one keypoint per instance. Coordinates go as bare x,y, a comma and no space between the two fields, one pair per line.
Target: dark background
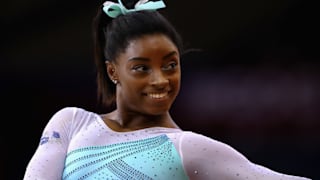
251,82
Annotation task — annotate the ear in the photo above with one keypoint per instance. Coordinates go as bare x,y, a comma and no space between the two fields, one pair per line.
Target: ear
111,70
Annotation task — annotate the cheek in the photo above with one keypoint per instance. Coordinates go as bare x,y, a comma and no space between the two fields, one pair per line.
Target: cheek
175,81
133,87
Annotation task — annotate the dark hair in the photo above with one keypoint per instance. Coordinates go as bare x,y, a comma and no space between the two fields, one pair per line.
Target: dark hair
112,36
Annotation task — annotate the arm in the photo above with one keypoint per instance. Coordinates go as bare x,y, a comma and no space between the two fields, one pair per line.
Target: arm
205,158
48,160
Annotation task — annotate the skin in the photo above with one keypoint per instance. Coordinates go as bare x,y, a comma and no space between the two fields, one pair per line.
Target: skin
150,64
148,75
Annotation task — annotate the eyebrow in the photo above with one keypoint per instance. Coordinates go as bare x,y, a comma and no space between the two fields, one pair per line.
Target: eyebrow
147,59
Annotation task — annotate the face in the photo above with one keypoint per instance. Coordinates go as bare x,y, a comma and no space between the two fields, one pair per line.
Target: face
148,73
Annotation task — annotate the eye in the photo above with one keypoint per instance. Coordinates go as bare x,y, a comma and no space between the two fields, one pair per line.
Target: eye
140,68
171,66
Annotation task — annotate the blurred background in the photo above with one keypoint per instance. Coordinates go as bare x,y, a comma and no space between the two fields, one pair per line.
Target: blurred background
251,80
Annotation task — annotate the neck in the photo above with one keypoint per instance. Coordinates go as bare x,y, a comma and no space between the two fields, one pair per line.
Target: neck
133,121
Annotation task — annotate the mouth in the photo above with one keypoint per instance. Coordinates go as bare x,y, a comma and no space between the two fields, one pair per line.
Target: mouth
159,96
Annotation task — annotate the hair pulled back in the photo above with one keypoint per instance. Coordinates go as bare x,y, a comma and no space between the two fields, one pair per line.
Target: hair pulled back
111,37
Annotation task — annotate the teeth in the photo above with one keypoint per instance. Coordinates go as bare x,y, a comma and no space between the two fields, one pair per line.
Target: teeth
157,95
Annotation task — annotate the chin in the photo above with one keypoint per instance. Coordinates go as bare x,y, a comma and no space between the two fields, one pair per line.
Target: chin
158,111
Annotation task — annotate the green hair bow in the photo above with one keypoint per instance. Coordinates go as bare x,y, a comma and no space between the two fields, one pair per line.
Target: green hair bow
113,9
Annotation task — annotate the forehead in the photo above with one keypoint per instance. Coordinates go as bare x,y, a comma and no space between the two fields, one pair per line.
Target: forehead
150,44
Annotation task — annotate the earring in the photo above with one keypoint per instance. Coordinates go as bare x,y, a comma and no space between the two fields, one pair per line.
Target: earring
115,81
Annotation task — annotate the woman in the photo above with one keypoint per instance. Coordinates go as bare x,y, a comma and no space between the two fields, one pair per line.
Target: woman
137,53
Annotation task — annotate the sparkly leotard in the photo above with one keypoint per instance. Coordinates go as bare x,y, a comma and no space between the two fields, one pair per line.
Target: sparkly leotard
77,144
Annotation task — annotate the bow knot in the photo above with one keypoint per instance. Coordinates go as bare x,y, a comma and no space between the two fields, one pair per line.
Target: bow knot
113,9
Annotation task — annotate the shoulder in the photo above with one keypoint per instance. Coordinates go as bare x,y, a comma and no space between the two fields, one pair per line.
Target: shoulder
65,114
195,139
70,120
72,112
206,158
199,145
71,116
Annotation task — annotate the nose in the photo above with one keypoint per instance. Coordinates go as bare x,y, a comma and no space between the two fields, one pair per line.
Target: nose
158,79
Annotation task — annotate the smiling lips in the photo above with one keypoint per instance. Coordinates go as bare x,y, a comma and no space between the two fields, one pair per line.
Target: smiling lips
157,95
